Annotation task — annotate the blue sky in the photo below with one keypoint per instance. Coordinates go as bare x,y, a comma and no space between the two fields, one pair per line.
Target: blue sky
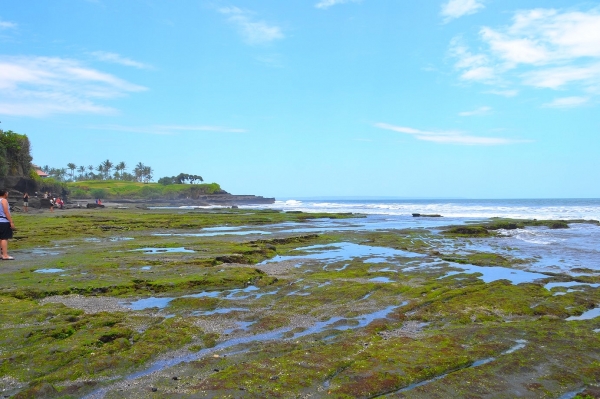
437,98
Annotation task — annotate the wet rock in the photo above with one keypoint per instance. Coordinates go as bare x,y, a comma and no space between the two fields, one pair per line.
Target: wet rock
40,391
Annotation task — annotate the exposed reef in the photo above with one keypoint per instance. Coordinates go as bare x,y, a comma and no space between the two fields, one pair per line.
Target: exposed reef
178,303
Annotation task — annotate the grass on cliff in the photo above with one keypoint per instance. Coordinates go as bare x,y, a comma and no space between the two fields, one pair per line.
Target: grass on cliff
116,189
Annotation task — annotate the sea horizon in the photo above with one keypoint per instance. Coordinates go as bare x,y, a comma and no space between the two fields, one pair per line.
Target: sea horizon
530,208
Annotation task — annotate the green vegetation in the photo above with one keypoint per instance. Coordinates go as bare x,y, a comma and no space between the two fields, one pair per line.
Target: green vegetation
179,179
459,336
141,173
115,189
15,159
486,229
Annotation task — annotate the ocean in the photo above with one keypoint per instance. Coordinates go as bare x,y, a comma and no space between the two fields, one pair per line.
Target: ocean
555,250
454,208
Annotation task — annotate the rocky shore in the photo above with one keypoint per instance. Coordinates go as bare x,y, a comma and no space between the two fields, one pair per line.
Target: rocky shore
204,200
228,200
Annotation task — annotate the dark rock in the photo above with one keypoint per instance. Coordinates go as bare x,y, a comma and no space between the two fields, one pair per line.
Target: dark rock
94,206
154,389
233,258
19,183
40,391
469,231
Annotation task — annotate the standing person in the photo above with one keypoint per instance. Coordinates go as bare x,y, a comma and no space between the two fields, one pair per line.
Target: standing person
26,202
6,225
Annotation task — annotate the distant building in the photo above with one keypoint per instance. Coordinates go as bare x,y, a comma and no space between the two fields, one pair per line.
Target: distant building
39,171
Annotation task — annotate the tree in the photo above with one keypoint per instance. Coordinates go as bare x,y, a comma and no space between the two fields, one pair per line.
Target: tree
183,177
127,177
72,168
107,165
81,171
193,178
147,174
121,166
165,181
15,156
138,171
100,170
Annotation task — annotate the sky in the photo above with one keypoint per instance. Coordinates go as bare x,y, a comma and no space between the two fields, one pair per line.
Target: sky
300,98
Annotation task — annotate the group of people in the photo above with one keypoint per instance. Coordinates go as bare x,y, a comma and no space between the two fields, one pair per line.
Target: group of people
54,201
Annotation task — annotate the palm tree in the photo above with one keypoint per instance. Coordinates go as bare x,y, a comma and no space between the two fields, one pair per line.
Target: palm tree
90,172
72,168
107,167
147,173
139,171
81,171
59,174
100,170
121,166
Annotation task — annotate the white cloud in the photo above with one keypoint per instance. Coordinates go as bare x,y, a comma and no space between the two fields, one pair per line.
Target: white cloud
542,48
118,59
447,137
505,93
479,111
554,78
567,102
253,32
458,8
169,129
41,86
324,4
472,66
7,25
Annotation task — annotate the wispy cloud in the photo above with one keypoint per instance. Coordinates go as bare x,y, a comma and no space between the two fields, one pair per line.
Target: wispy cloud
168,129
41,86
458,8
505,93
567,102
542,48
118,59
253,32
324,4
479,111
7,25
271,60
448,136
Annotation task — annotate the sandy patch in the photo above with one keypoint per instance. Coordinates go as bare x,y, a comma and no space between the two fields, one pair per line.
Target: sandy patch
89,304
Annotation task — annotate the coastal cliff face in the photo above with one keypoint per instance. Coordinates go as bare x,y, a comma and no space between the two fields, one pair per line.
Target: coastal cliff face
19,183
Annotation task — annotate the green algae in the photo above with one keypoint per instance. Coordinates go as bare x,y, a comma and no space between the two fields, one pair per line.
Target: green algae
488,228
483,259
440,328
